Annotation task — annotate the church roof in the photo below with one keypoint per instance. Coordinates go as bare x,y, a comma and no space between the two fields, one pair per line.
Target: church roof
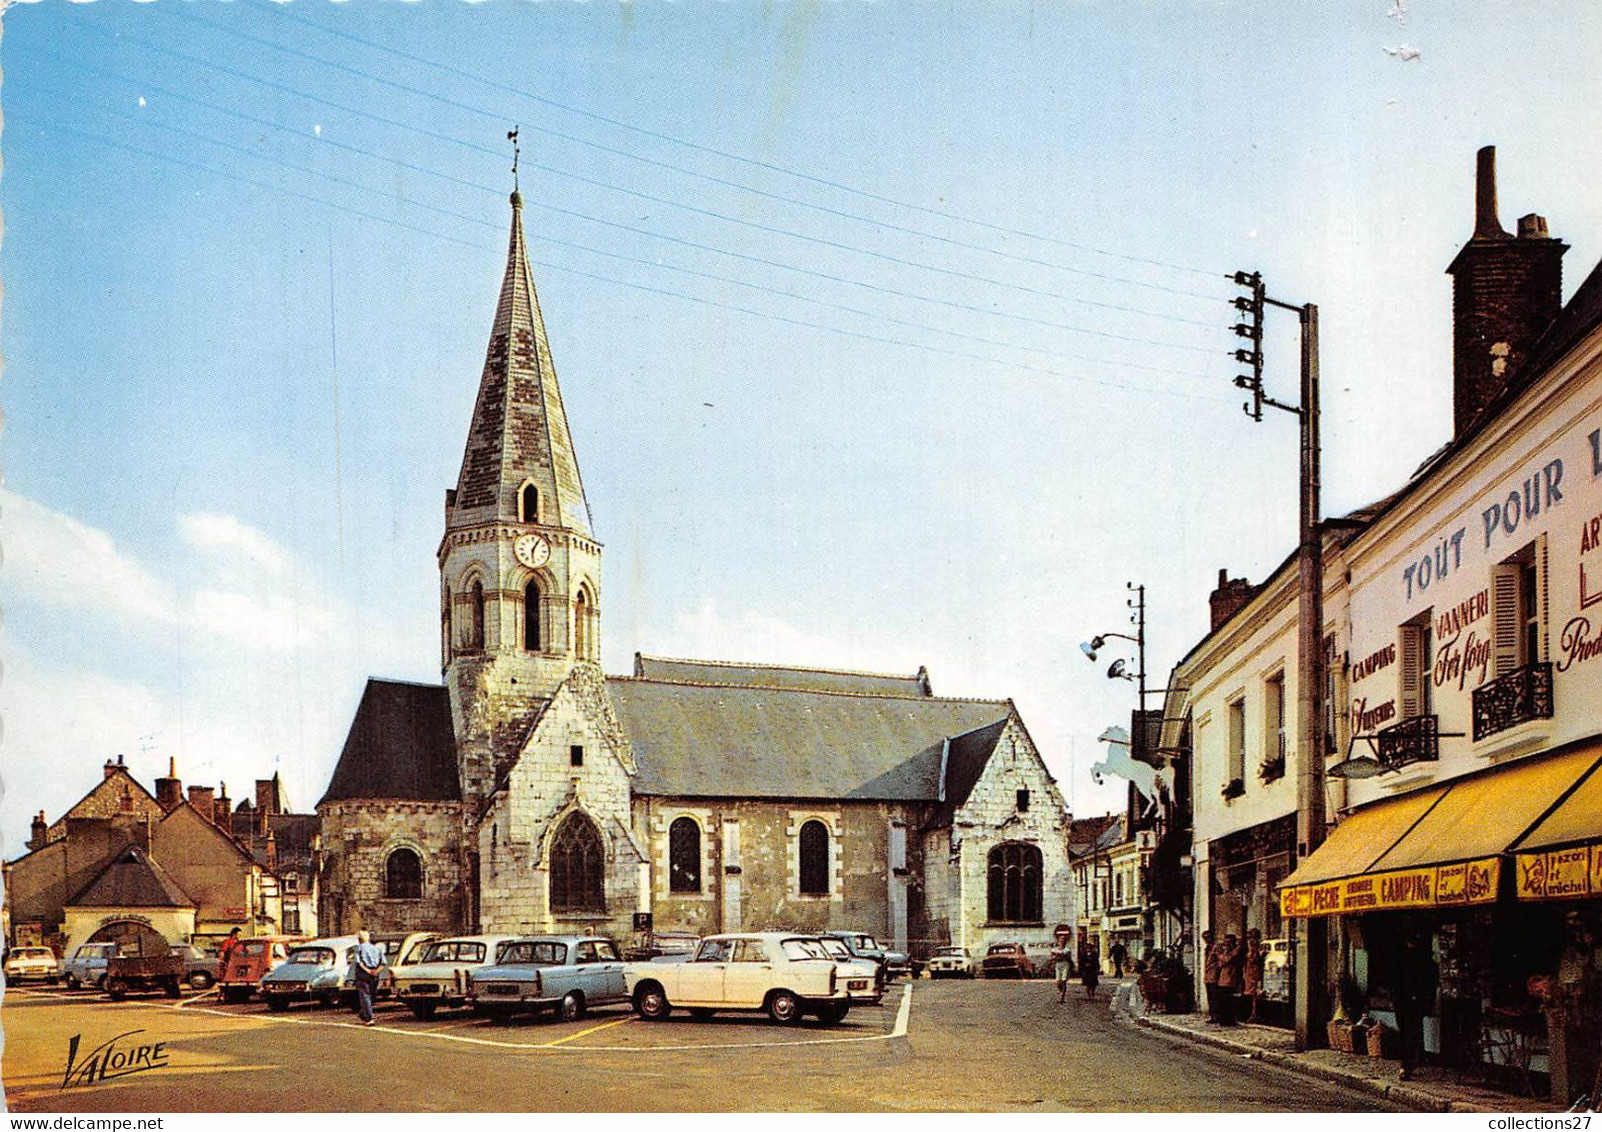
721,740
131,880
733,674
401,746
519,430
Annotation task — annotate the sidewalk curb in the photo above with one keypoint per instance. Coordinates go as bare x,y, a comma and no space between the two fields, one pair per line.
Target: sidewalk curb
1418,1099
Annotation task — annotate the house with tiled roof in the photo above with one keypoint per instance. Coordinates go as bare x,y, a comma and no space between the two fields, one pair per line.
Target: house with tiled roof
530,792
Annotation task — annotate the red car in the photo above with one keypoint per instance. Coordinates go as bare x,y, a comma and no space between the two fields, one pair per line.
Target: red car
1007,961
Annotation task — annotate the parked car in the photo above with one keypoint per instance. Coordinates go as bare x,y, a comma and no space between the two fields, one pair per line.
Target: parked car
200,969
87,967
669,947
784,973
951,963
441,978
864,946
251,959
319,971
1008,961
129,973
863,979
564,974
405,948
32,963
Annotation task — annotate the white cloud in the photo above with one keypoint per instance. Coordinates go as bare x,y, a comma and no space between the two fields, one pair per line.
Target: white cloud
272,623
225,537
55,559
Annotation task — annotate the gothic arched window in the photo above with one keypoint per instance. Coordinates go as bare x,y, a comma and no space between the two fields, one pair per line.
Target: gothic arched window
684,856
581,624
1014,883
578,866
403,875
531,617
814,859
475,638
528,504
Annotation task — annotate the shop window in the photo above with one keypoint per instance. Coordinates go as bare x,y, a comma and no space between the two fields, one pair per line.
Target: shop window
403,875
531,617
684,856
814,853
1015,883
577,867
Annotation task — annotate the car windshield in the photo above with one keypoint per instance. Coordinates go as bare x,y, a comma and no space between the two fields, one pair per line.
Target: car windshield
867,943
803,949
835,948
455,951
546,951
1003,948
315,956
252,948
955,952
30,953
417,952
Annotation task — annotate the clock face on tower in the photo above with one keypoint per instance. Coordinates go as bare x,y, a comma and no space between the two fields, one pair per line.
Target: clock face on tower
532,550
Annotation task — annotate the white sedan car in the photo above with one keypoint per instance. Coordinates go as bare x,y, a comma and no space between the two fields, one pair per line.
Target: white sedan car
951,963
32,963
784,973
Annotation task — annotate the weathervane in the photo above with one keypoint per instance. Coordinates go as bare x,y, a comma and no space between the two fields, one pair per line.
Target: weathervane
511,136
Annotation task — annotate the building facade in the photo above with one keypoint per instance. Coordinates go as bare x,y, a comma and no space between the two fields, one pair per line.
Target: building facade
531,792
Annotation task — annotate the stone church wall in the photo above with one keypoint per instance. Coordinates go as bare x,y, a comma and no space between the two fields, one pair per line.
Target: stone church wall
358,837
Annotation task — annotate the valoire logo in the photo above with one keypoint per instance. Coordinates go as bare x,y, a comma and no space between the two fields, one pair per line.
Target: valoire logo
112,1059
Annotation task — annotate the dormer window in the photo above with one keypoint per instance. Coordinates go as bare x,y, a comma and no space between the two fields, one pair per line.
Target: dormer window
528,504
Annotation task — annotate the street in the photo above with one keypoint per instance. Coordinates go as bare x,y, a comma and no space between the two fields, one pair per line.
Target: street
1004,1046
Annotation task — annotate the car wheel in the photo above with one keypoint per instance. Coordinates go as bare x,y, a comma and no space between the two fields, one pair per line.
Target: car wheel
832,1013
423,1011
173,987
277,1003
651,1003
572,1007
784,1007
52,979
234,994
117,989
700,1013
73,983
199,980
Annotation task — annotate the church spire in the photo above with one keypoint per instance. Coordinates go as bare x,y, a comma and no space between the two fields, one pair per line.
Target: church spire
519,435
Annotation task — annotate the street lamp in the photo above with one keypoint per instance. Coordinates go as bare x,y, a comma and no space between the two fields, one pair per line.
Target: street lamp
1119,669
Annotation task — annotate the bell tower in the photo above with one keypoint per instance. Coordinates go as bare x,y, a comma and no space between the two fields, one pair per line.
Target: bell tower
520,570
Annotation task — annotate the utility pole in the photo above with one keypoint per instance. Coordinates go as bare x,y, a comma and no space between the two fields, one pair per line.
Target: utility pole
1311,933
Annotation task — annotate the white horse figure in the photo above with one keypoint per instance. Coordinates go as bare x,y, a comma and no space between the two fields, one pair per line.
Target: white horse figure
1120,762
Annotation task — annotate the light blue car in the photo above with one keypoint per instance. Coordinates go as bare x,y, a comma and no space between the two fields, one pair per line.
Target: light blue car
318,972
564,974
87,967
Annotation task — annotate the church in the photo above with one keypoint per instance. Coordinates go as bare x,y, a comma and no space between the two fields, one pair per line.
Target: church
529,792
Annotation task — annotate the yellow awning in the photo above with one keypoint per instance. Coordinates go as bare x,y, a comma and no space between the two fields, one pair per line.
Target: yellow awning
1449,854
1561,858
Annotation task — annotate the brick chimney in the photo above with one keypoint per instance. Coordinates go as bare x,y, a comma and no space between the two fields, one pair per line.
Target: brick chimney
201,798
169,791
224,809
40,830
1506,291
112,768
266,798
1229,597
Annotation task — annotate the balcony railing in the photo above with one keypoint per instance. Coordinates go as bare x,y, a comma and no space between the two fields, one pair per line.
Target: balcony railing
1417,739
1521,695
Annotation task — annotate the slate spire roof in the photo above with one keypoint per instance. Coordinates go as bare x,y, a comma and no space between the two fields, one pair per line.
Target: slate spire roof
519,431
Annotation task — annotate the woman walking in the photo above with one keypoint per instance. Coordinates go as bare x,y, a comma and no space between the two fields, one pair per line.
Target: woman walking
1089,968
1256,958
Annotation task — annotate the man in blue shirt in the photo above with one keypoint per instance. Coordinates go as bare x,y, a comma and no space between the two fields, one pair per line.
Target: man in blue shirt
366,960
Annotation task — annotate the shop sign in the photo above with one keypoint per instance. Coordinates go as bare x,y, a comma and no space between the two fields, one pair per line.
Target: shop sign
1468,882
1561,875
233,913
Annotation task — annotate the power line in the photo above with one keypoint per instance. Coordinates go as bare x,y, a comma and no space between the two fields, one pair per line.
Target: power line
282,12
743,187
101,139
669,203
711,276
574,214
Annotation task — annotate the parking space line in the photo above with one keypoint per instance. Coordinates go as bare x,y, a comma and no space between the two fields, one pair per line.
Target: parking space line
903,1017
591,1030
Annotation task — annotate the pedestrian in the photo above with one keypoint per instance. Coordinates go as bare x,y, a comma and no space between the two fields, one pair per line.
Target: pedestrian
1061,966
229,946
1089,968
1210,953
1574,1015
1231,964
1118,953
366,960
1256,960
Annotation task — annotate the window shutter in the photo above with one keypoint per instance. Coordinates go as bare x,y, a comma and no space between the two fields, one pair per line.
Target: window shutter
1541,605
1506,619
1410,642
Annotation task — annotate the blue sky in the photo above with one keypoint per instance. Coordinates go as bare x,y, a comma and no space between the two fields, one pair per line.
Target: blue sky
890,334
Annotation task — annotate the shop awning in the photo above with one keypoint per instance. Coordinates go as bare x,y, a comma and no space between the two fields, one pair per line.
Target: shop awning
1315,888
1450,855
1561,858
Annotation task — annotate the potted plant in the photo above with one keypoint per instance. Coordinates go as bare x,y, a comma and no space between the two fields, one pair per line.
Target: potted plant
1270,769
1234,788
